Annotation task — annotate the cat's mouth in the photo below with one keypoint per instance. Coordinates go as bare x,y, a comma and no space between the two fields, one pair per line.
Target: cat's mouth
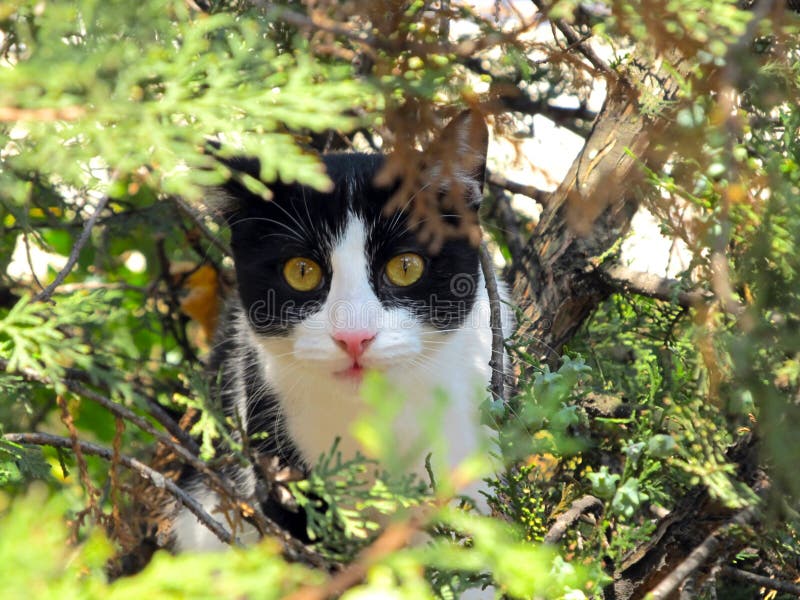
354,372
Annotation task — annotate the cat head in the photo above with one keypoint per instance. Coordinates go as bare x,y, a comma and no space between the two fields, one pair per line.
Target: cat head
334,280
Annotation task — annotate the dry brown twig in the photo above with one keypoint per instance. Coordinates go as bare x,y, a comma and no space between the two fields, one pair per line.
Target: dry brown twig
396,536
83,474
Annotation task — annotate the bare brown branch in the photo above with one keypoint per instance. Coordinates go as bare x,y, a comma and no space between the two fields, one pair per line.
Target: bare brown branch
396,536
187,451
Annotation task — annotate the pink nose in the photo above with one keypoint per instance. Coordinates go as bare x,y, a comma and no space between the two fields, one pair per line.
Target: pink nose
353,342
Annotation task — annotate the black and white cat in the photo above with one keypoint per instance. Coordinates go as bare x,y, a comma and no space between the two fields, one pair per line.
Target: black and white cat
328,287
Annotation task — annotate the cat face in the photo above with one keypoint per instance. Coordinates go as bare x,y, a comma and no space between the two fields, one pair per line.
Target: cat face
329,281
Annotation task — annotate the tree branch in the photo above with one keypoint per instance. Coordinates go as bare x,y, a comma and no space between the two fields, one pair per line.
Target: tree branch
187,451
151,475
652,286
582,219
188,445
188,210
695,518
785,587
560,115
514,187
574,40
45,294
394,537
568,517
700,555
509,225
498,380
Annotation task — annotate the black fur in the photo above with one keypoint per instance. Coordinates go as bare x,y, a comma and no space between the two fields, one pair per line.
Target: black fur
300,221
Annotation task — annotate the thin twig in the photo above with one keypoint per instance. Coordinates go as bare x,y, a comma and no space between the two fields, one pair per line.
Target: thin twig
368,42
784,587
9,114
509,225
498,380
154,409
660,288
45,294
188,451
396,536
83,472
574,40
652,286
582,505
700,555
187,210
27,243
147,473
514,187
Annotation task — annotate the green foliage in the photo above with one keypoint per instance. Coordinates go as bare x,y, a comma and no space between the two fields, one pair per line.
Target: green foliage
344,497
648,404
146,99
48,566
19,463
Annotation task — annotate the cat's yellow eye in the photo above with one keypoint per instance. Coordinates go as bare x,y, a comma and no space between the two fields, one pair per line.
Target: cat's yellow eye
302,273
405,269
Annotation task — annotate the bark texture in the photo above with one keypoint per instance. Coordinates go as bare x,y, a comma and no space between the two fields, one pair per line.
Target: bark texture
557,287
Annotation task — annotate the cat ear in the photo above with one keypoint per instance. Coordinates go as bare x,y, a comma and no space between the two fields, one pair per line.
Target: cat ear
460,153
234,197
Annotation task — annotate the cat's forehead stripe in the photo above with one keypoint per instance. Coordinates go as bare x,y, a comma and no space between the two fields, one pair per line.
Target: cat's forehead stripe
349,260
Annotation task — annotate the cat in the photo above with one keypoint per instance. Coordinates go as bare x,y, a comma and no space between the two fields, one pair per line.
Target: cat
329,287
